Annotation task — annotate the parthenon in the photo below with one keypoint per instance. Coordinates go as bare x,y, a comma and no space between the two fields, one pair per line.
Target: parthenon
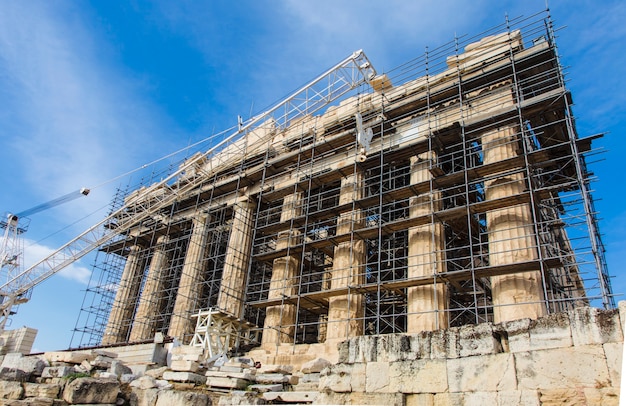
452,190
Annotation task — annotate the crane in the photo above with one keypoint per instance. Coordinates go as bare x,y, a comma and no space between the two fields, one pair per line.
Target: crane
345,76
12,253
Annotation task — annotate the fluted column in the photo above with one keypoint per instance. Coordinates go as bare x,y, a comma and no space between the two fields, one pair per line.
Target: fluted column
345,313
120,318
427,305
280,320
190,286
511,235
151,298
232,289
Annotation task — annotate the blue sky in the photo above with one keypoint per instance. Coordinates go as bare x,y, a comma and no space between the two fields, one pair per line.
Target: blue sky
93,89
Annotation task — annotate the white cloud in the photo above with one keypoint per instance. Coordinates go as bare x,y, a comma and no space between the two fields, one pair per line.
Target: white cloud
382,28
34,252
70,118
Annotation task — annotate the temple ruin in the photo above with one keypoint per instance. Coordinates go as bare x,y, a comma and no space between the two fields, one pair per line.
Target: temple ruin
452,190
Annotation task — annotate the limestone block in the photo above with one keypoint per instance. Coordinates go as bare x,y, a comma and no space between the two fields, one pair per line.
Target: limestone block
360,398
602,396
156,372
187,353
143,354
445,343
140,369
614,356
69,357
368,349
91,390
16,367
143,397
101,361
362,349
57,372
581,366
315,365
312,377
184,377
247,374
230,383
472,398
343,349
291,397
259,387
274,368
420,399
306,386
518,334
377,377
11,390
244,361
595,326
86,366
518,397
487,373
343,378
239,365
552,331
41,390
118,368
104,353
144,382
421,346
562,396
271,378
183,365
231,368
163,384
128,378
383,344
400,348
173,397
478,340
418,376
241,398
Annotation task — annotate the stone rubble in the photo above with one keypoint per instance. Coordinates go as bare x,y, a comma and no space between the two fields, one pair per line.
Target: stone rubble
558,358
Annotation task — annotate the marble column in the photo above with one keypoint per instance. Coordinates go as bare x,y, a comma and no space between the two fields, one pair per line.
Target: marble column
345,312
233,287
280,320
121,315
511,235
190,286
151,298
426,305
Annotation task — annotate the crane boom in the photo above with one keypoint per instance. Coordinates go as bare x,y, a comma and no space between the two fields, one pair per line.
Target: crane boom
348,74
52,203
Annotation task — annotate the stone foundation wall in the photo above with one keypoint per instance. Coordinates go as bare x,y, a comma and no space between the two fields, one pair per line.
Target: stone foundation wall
564,358
570,358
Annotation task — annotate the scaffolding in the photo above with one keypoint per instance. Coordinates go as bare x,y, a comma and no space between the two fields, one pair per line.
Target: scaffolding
455,191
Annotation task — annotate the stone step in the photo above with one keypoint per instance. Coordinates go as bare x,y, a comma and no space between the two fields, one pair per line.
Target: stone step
241,375
184,377
266,388
229,383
